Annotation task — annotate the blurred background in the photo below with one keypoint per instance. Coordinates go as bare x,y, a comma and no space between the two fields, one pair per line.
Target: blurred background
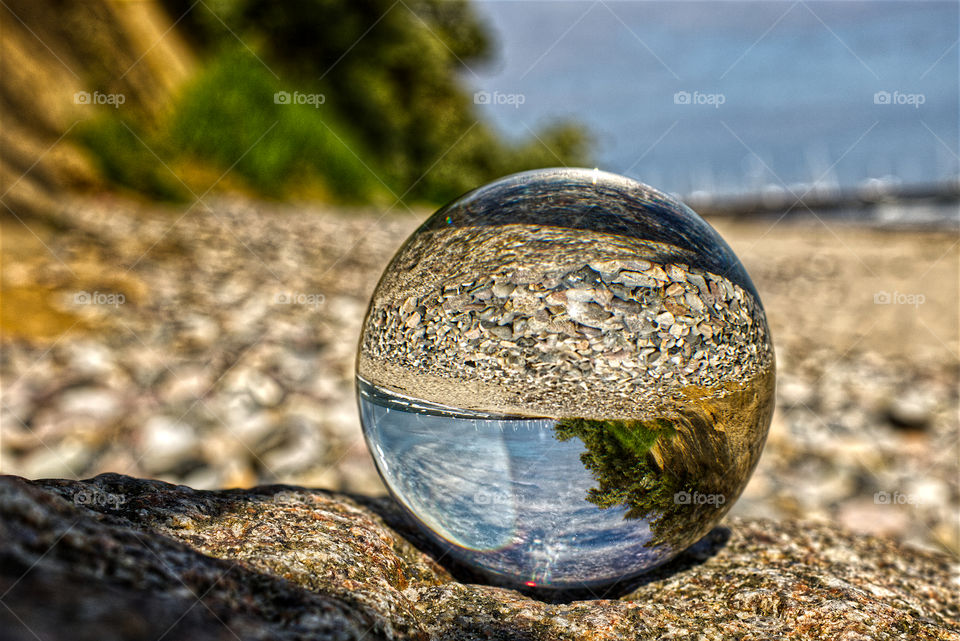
200,195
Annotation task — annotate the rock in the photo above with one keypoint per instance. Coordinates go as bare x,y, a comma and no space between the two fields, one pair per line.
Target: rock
198,331
90,358
133,557
167,443
503,290
911,411
185,384
635,279
665,319
795,392
95,402
264,389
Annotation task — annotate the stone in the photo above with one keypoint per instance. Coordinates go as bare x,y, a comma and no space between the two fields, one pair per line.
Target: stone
165,443
117,557
199,331
796,392
665,319
911,410
185,384
264,388
503,290
95,402
635,279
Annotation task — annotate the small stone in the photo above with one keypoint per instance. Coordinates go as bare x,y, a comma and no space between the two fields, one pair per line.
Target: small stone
674,289
556,298
637,265
409,305
666,319
484,293
70,457
589,314
694,303
700,283
501,332
635,279
794,392
199,331
580,295
676,274
264,389
165,443
502,290
627,307
95,402
911,411
656,272
185,384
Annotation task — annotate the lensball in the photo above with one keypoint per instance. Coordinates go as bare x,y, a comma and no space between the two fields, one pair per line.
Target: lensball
565,377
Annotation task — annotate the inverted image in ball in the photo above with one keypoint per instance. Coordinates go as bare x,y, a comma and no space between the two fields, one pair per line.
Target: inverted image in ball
566,377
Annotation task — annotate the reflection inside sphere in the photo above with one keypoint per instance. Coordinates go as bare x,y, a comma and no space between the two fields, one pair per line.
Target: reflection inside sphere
566,377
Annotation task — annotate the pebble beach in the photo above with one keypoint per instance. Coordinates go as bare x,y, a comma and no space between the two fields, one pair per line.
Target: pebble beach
216,346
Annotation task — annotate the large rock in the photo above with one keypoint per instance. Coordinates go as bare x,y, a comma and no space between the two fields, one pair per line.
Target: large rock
121,558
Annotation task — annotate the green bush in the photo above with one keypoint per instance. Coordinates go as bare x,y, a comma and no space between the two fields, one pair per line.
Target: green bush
391,75
229,117
127,159
396,121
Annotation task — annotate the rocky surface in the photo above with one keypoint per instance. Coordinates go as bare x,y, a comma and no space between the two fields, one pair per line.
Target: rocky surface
229,361
121,558
579,337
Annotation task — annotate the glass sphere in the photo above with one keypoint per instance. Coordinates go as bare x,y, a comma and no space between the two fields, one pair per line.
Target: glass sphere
566,377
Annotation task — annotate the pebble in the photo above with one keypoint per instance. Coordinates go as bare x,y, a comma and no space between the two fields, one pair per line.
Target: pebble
656,272
503,290
635,279
95,402
666,319
794,392
186,384
264,389
912,411
166,443
310,352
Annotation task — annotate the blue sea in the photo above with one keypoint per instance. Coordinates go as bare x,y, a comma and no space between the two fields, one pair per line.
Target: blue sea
733,97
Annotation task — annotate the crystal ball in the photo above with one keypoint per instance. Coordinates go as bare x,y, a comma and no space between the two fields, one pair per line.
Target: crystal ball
565,377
